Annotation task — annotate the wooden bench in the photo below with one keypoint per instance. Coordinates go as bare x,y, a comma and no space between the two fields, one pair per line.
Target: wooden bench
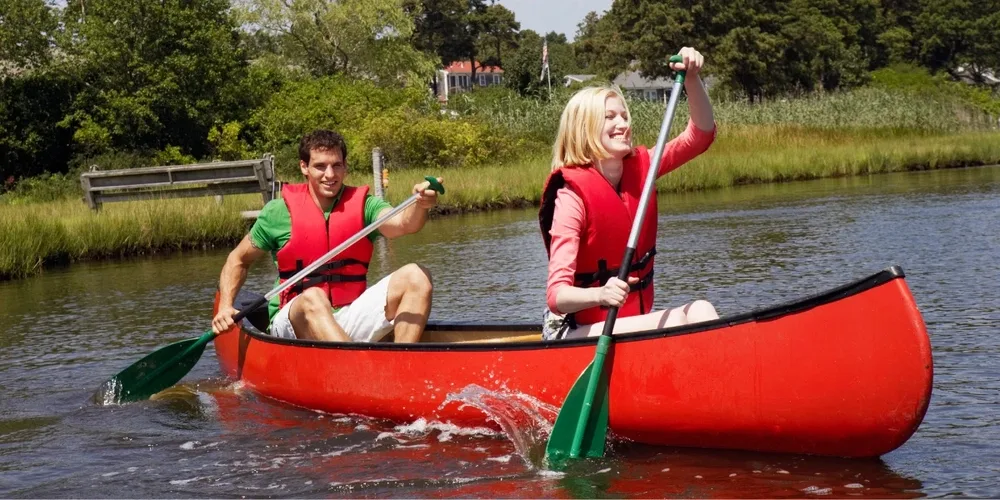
179,181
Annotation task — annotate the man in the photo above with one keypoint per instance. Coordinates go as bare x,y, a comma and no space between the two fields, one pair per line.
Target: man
333,303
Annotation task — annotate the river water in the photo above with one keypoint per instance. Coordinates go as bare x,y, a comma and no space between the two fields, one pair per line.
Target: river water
69,329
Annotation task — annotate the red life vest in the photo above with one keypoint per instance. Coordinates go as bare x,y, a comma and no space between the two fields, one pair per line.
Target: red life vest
344,278
608,222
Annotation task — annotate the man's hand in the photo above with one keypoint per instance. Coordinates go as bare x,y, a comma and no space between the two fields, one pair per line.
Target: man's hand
426,197
224,320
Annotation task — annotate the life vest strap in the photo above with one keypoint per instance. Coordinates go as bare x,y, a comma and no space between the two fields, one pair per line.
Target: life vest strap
603,274
329,266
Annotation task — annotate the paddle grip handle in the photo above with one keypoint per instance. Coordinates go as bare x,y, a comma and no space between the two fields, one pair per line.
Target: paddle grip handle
435,185
682,73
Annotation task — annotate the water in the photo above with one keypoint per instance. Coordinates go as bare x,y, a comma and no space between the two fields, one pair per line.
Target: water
70,329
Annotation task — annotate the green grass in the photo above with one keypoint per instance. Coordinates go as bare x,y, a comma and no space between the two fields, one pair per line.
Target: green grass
40,234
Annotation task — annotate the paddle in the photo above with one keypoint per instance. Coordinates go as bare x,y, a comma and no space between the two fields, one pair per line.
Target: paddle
166,366
582,424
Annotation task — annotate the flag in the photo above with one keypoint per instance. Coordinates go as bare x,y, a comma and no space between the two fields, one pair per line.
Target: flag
545,59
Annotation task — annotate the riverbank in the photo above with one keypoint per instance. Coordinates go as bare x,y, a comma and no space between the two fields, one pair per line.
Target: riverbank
39,235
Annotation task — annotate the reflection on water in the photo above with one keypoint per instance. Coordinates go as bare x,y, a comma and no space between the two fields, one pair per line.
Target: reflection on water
70,329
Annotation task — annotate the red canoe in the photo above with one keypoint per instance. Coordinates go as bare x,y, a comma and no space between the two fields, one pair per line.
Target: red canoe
845,373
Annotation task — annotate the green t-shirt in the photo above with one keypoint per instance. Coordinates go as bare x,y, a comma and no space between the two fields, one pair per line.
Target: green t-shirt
273,229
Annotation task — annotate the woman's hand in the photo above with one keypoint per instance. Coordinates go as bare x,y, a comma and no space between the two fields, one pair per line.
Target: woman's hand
692,62
614,292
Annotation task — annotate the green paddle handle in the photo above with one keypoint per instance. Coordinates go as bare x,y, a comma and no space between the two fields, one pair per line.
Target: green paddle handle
680,74
435,185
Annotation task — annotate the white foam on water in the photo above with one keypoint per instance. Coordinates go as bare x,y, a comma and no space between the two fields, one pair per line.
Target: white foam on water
132,469
412,446
110,474
504,459
854,486
189,445
666,470
421,427
550,473
602,471
783,471
816,490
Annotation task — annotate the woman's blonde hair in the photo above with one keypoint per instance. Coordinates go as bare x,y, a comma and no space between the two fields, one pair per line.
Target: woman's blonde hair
578,141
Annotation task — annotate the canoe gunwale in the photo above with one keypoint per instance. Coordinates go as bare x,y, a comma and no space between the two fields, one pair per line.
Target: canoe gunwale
759,315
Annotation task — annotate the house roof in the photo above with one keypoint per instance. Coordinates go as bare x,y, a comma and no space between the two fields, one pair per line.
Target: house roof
633,80
465,67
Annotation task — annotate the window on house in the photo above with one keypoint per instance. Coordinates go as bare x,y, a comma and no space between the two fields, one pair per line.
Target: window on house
482,80
451,81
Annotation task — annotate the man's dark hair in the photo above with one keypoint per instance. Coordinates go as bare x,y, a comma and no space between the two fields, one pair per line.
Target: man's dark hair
321,140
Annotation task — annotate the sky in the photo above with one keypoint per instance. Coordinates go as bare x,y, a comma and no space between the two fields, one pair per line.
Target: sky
560,16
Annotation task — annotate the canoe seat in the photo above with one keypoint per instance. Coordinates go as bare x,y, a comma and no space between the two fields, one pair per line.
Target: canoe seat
257,320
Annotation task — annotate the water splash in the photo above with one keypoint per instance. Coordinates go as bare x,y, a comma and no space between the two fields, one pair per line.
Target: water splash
525,419
109,394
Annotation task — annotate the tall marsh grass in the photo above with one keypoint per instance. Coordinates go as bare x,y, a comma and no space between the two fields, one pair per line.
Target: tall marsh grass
40,234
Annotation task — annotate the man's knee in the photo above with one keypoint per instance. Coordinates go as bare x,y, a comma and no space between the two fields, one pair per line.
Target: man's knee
417,279
313,300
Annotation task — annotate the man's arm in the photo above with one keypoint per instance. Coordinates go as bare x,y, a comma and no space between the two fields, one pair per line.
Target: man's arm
234,274
413,218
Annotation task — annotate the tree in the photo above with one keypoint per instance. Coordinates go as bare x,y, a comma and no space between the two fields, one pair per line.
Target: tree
601,47
356,38
449,28
26,31
157,74
499,31
954,33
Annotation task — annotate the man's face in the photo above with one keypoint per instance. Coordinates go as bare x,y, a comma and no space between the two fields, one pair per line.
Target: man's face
325,172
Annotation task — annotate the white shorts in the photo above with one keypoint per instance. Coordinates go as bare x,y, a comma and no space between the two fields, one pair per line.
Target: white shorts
363,320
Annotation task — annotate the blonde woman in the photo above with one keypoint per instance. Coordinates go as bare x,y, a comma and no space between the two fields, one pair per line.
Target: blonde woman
588,205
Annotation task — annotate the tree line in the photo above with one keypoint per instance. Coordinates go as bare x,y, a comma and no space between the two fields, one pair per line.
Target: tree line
166,81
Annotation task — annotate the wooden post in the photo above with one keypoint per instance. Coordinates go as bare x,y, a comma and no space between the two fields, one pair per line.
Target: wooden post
88,195
377,171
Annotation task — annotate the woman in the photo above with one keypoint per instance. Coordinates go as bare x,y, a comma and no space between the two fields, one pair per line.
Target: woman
588,205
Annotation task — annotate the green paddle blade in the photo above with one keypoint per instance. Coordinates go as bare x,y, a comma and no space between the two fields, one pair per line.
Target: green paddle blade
154,373
595,431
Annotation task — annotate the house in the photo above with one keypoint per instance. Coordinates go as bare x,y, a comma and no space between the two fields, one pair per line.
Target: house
571,79
636,86
967,75
457,77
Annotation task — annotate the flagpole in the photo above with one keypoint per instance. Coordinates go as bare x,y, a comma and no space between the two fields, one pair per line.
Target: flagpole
546,71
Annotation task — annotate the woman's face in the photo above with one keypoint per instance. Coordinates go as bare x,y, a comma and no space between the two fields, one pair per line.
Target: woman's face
616,135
